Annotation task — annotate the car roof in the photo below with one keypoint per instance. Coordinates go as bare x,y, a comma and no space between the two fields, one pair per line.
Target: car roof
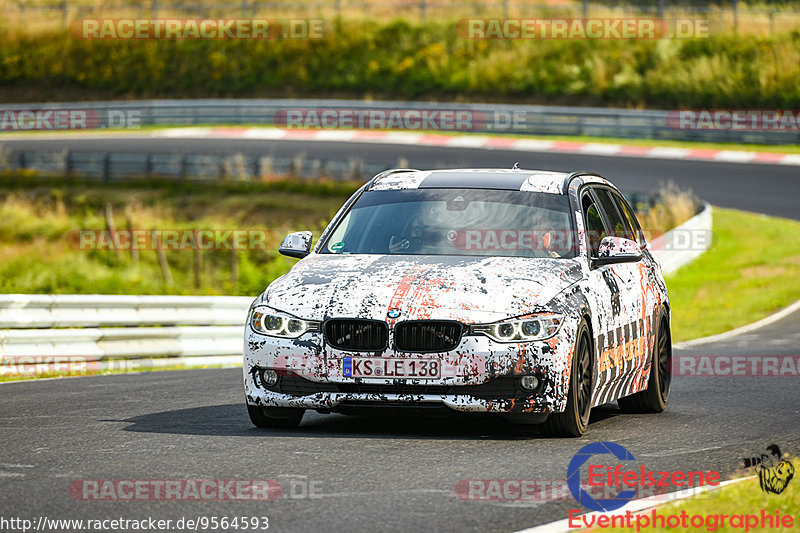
546,181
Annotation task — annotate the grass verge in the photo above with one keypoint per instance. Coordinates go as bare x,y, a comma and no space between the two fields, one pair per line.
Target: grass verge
751,270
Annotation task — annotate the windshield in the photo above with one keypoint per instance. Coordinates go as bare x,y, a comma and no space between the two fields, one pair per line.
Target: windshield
456,222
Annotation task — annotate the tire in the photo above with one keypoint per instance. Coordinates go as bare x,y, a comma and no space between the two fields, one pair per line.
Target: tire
574,421
655,397
275,417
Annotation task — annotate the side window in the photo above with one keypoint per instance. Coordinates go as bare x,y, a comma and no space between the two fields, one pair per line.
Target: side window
620,227
594,224
630,217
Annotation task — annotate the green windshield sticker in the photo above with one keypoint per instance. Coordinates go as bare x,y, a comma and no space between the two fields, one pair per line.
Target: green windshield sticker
337,246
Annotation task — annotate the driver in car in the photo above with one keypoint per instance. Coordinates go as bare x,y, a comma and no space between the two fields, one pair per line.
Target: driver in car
408,244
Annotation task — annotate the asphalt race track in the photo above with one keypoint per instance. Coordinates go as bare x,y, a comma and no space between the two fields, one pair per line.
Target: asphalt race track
386,473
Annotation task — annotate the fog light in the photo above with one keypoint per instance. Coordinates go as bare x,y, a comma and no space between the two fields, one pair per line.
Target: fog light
529,382
268,377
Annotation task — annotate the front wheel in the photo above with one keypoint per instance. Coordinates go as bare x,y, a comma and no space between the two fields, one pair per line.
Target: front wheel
574,421
275,417
655,397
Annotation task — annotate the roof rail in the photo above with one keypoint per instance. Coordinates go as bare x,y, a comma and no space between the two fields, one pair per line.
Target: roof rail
385,173
576,174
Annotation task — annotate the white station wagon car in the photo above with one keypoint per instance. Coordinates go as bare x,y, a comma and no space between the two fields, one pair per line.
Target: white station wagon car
528,294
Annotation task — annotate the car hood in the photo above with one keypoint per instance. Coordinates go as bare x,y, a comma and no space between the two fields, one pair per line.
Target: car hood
468,289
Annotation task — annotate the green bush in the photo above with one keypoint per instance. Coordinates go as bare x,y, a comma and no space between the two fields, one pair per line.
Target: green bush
412,60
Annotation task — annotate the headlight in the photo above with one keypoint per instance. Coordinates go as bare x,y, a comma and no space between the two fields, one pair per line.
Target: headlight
267,322
522,330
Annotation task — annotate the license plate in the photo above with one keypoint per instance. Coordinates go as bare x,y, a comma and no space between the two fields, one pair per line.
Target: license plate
376,367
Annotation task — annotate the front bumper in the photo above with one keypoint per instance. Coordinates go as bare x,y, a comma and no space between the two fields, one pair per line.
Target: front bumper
480,375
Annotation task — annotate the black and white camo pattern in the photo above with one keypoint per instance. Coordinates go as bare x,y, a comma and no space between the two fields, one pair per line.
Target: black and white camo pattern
620,303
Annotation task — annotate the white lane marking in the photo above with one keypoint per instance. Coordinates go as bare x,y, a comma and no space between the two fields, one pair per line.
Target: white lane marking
264,133
600,149
335,135
518,504
667,153
183,132
12,465
467,141
395,137
635,506
744,329
791,159
533,145
732,156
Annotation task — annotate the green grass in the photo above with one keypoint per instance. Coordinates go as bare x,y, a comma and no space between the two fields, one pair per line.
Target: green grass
751,270
744,497
412,60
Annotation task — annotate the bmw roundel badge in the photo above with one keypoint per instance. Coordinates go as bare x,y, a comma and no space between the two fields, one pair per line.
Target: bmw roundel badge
393,313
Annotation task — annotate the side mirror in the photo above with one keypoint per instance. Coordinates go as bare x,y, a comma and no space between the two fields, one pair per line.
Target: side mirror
296,244
615,250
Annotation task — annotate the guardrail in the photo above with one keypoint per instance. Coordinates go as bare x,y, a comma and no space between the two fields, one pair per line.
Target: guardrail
117,166
485,118
125,332
683,244
81,310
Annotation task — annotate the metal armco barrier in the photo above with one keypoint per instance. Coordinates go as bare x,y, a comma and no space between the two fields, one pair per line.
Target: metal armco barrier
99,327
486,118
683,244
116,167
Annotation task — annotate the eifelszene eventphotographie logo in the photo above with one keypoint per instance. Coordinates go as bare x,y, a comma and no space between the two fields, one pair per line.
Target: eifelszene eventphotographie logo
620,483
